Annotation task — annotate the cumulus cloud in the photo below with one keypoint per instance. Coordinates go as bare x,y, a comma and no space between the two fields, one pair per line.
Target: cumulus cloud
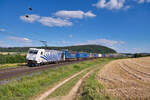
89,14
2,30
31,18
117,4
62,43
127,7
46,21
20,39
61,18
74,14
49,21
2,44
70,36
70,14
104,42
111,4
143,1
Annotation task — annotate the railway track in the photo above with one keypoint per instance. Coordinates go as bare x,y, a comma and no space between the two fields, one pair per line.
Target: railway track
24,70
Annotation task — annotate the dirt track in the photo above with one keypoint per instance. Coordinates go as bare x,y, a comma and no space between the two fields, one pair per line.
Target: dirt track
73,92
127,79
43,96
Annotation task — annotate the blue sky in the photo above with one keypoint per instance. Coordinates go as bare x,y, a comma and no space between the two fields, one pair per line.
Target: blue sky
120,24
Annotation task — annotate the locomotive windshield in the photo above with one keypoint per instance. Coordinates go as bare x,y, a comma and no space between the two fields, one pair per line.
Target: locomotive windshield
33,51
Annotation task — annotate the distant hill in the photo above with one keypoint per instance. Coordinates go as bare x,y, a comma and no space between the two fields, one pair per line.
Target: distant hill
83,48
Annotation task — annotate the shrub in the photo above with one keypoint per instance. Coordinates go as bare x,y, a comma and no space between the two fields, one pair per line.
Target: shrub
4,59
76,66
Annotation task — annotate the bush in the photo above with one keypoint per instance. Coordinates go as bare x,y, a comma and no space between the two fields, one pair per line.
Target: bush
76,66
4,59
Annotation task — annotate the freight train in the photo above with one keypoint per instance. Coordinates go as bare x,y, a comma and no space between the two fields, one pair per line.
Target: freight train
37,57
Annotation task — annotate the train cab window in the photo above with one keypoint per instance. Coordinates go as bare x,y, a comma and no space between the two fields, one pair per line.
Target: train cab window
33,52
41,53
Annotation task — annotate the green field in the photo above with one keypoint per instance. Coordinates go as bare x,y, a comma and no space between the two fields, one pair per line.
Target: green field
64,89
13,53
11,65
12,58
28,87
91,89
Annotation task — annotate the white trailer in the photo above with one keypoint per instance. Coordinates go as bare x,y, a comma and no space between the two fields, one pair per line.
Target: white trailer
99,55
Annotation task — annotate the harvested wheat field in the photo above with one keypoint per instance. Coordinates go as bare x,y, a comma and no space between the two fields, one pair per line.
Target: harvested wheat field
127,79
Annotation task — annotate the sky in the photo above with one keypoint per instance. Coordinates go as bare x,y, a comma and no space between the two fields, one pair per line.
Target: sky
123,25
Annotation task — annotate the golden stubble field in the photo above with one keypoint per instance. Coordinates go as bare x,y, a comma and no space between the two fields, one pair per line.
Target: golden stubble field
127,79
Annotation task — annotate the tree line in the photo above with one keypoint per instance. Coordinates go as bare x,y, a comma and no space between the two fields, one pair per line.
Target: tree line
80,48
5,59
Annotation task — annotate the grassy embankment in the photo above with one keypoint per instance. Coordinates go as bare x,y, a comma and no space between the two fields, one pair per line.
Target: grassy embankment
11,65
64,89
91,89
11,60
30,86
13,53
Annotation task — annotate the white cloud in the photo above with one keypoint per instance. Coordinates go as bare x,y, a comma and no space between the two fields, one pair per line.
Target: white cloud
111,4
62,43
49,21
126,49
127,7
60,19
70,14
116,45
105,42
89,14
117,4
31,18
143,1
3,44
20,39
65,42
2,30
70,36
74,14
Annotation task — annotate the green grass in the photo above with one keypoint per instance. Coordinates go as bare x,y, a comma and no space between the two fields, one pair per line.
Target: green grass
91,89
13,53
64,89
28,87
11,58
11,65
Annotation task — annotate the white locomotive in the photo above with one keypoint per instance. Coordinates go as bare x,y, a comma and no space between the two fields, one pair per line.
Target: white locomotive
40,56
